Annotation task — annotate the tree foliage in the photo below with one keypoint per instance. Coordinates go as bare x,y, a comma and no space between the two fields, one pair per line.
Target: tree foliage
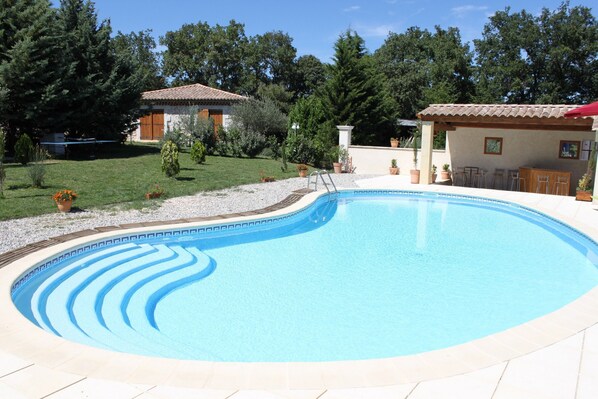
355,94
422,68
550,58
140,48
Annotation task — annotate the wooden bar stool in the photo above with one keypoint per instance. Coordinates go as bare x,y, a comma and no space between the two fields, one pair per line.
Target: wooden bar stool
499,176
479,179
560,187
543,179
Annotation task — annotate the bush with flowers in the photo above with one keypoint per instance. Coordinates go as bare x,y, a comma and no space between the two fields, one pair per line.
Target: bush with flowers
64,195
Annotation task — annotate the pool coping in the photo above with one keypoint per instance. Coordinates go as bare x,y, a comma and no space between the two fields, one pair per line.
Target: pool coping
19,337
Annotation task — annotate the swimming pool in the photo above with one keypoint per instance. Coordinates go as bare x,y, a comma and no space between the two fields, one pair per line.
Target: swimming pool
374,274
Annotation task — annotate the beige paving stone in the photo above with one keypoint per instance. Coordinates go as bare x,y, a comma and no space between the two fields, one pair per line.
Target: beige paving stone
305,376
10,363
392,392
8,392
91,388
591,340
36,381
190,374
278,394
475,385
167,392
547,373
587,386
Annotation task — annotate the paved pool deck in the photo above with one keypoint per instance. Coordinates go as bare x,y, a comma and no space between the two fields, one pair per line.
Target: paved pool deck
555,356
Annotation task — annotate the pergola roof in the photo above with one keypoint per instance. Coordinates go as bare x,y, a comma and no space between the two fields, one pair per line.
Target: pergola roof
195,93
505,116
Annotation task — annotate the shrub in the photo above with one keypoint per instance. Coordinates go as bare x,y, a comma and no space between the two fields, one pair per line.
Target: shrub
252,143
194,128
177,137
228,142
170,159
23,149
37,168
198,152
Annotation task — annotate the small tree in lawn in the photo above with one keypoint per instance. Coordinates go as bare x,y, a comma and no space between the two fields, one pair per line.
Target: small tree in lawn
170,159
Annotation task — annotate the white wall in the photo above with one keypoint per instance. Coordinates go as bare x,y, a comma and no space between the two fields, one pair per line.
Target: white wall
535,148
172,114
376,160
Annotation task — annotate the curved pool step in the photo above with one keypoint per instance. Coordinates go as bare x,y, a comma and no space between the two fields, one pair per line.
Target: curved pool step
59,302
40,296
86,307
117,299
143,301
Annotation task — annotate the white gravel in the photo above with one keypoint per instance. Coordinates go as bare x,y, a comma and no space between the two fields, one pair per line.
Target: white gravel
19,232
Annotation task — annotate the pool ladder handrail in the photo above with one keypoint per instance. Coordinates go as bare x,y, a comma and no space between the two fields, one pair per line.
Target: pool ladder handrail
319,175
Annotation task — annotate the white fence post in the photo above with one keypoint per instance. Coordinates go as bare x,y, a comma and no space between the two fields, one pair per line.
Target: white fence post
344,136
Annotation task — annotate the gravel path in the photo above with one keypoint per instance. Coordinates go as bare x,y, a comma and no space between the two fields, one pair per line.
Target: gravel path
19,232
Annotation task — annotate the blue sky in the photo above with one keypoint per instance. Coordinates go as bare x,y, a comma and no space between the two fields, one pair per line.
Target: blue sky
314,25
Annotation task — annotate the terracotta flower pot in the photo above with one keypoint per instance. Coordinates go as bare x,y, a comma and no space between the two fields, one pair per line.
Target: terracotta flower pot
581,195
393,171
394,143
414,176
303,173
445,175
64,206
434,177
338,167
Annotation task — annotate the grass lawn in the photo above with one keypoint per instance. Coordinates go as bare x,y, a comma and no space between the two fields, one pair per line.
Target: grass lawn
122,175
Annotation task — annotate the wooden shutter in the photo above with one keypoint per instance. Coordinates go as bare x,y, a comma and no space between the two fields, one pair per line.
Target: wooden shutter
145,123
157,125
216,115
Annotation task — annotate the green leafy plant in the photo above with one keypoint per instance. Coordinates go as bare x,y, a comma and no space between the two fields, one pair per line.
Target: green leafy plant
23,149
198,152
37,166
170,159
393,163
283,156
416,135
446,167
585,183
434,169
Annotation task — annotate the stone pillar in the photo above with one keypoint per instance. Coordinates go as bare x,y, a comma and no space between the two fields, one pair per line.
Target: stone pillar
344,136
426,152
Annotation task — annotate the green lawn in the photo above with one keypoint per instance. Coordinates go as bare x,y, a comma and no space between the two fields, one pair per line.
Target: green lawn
122,175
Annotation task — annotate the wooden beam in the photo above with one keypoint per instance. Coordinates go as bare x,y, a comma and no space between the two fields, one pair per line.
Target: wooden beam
518,126
507,122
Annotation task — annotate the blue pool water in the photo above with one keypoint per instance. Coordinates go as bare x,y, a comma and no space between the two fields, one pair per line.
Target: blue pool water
369,275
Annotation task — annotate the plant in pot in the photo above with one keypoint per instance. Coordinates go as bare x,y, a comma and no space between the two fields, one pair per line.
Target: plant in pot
154,192
394,169
434,168
64,200
302,169
446,173
340,157
394,142
584,188
415,172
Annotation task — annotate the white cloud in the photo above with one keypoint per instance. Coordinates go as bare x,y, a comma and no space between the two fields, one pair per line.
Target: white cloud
352,8
462,11
375,31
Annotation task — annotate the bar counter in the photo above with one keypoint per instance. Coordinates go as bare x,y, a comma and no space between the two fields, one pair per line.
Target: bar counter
531,180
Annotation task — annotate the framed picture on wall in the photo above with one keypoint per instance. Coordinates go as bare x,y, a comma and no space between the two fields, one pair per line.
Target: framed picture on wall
569,149
493,145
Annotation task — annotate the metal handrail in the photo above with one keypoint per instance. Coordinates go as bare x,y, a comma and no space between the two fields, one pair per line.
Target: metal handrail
319,175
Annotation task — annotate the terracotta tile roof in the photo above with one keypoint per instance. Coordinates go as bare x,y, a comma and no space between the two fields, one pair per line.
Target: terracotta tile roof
194,92
497,110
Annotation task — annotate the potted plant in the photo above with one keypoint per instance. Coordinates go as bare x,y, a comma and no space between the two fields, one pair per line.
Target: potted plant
340,158
264,178
155,192
434,168
584,188
446,173
394,169
302,169
415,172
394,142
64,200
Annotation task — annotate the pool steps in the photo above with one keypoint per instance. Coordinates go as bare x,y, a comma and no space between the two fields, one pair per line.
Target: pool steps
113,293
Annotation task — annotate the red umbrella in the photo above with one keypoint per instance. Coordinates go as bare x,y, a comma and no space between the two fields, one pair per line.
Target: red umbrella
585,110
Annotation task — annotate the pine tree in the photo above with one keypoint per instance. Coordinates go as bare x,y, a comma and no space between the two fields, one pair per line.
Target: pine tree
103,89
355,95
31,69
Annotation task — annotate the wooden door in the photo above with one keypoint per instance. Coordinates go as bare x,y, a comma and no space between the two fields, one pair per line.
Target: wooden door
145,123
216,115
157,125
